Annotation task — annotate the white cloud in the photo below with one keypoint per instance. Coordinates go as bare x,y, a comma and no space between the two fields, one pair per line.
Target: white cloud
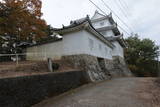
142,15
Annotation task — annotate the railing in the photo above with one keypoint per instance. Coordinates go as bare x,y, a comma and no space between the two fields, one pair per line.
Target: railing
23,56
13,57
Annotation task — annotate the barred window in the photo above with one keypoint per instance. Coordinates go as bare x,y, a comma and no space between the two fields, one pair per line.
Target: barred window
91,44
100,47
103,32
102,23
106,50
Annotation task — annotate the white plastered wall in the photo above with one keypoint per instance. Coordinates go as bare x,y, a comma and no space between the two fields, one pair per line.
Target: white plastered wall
79,43
98,49
102,23
108,33
72,44
106,23
118,50
42,52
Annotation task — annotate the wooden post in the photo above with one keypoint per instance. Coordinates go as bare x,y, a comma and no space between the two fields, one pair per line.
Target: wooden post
50,65
16,59
158,66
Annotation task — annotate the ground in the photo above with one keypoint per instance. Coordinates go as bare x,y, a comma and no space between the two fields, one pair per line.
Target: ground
121,92
24,68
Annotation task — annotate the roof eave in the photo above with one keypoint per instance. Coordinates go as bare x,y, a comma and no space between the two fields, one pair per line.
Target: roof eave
122,42
84,26
70,29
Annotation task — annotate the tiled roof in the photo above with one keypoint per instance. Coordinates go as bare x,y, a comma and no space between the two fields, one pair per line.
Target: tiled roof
48,40
84,23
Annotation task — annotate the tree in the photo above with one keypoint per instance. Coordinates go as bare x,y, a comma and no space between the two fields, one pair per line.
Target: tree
21,19
141,56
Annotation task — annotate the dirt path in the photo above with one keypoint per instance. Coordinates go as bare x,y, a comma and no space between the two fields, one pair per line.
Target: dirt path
122,92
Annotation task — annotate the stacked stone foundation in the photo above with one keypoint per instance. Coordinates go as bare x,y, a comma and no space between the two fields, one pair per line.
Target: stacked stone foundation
99,69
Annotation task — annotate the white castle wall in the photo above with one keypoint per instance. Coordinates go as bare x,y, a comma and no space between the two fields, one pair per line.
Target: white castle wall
81,42
118,50
73,43
101,23
84,42
96,47
42,52
108,33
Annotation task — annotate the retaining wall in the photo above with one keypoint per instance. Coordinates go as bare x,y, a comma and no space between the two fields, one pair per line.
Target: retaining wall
28,90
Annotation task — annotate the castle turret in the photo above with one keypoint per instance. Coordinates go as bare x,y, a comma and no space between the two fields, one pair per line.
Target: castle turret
105,24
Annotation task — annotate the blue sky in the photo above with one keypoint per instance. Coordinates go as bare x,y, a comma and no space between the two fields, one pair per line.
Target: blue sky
143,16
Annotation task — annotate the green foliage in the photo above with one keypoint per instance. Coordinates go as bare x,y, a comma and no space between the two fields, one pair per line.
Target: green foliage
141,56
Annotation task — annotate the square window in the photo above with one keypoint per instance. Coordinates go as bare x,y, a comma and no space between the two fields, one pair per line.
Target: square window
91,44
106,51
100,47
102,23
103,33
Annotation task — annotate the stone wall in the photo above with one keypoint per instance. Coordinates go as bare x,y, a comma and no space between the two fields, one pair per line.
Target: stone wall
98,68
28,90
87,63
117,67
